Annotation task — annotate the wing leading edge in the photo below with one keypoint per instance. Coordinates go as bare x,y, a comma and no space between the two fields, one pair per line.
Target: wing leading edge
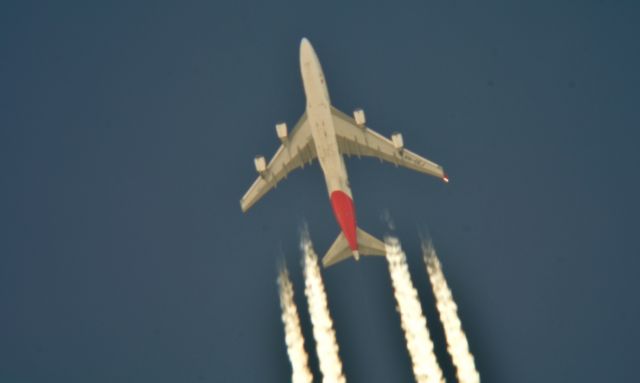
362,141
296,151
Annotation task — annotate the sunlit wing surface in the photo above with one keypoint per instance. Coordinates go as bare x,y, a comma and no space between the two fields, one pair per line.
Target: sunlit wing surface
355,140
296,150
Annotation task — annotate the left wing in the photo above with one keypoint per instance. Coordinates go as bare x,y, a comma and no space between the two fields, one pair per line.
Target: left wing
354,139
296,150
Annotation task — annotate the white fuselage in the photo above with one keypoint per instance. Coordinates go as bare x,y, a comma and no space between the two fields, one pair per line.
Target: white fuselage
321,122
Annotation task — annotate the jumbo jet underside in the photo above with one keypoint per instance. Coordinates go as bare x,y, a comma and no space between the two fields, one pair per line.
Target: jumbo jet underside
326,134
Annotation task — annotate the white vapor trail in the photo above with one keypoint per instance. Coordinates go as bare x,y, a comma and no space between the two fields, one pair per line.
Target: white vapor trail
326,344
457,344
414,323
293,333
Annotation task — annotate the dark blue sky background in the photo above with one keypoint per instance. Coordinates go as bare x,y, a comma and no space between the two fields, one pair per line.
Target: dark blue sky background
127,133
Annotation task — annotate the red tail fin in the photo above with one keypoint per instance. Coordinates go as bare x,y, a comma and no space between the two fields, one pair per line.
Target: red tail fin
346,216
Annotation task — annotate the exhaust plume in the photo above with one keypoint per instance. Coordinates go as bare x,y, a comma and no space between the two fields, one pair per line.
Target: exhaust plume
457,344
292,331
326,344
414,323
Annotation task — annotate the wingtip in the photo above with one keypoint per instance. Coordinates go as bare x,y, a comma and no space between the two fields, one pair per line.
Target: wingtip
445,178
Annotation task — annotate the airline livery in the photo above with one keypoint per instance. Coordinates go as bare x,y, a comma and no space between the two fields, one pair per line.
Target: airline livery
325,133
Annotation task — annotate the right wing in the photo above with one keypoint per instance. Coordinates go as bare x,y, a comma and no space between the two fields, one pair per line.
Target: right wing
297,149
362,141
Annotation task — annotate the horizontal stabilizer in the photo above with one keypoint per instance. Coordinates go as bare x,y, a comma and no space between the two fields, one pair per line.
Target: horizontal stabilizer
340,250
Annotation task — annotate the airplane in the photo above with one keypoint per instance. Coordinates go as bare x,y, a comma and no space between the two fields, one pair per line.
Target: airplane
327,134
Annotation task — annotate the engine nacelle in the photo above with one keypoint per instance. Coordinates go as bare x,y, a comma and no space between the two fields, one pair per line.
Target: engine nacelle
397,140
358,115
281,130
261,164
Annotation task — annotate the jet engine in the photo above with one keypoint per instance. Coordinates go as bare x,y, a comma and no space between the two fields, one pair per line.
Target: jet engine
281,130
261,164
358,115
398,143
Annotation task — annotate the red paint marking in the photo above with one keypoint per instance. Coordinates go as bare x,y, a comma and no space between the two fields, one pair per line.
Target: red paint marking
346,216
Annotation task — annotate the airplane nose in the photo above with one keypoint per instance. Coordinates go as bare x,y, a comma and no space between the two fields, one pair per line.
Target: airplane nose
306,50
304,43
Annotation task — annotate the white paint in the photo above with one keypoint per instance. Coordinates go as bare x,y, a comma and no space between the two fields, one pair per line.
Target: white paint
321,121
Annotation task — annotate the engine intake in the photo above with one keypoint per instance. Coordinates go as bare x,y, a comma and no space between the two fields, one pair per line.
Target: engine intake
261,164
281,130
358,115
397,140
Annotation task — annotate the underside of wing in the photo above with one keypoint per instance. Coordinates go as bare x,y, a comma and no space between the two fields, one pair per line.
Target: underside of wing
356,139
297,149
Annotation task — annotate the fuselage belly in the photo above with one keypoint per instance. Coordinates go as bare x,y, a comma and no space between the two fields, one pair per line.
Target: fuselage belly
326,143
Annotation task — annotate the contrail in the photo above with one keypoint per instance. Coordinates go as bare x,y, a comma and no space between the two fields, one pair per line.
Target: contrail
457,344
325,336
293,333
414,323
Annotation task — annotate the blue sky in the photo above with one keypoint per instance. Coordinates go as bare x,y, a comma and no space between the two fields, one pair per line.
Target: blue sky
127,134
